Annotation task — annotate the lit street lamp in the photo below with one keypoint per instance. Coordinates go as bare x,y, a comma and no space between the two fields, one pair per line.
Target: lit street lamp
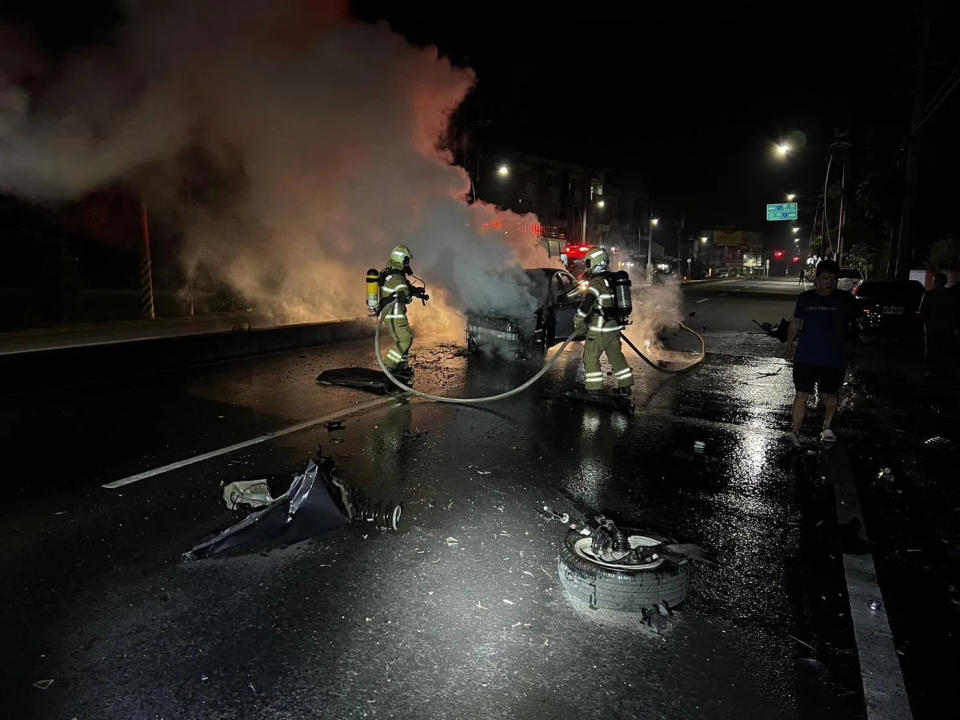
601,204
503,171
783,149
653,223
791,197
794,230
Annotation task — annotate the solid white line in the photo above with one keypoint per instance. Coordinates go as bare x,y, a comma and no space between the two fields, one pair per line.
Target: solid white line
704,300
880,672
883,688
247,443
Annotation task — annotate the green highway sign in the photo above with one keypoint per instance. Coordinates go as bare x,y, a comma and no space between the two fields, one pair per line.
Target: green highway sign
781,211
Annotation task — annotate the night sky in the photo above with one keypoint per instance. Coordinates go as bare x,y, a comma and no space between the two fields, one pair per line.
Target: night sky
687,96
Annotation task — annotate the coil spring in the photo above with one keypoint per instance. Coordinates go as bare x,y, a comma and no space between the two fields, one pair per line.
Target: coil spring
383,514
620,542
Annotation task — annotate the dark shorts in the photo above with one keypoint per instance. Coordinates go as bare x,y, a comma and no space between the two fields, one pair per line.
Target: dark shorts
827,377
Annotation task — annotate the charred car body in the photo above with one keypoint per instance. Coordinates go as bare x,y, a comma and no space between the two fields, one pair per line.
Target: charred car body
558,295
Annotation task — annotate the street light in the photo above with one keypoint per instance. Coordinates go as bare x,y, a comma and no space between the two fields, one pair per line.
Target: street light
794,230
601,204
503,171
791,197
653,223
783,148
703,239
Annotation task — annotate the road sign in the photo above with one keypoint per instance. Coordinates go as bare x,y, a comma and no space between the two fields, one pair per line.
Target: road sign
781,211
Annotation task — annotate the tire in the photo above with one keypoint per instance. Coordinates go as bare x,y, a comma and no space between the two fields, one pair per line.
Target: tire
610,586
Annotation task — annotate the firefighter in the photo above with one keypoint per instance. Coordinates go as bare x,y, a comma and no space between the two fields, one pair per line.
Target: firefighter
396,293
599,317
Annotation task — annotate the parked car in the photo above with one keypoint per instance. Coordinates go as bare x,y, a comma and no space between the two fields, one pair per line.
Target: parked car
848,277
889,308
552,322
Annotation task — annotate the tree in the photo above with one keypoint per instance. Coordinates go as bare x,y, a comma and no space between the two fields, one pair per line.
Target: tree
945,253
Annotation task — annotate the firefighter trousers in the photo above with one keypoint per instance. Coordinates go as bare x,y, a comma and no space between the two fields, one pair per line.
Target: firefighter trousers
600,341
399,328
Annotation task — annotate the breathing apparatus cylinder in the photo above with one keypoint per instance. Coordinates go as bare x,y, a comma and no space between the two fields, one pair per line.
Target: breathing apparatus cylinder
373,290
620,282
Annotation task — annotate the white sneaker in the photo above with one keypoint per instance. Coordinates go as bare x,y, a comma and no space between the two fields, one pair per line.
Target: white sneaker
828,436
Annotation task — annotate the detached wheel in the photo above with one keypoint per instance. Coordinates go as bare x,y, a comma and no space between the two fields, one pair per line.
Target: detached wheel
614,586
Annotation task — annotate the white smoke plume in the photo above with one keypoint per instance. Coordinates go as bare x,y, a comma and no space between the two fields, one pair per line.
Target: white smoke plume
293,146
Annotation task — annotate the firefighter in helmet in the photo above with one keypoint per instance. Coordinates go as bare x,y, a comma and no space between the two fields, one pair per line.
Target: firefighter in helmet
598,316
396,293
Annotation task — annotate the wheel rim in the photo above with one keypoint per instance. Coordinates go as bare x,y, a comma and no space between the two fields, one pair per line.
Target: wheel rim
582,549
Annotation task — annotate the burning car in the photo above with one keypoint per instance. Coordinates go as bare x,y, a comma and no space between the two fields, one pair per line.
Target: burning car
558,294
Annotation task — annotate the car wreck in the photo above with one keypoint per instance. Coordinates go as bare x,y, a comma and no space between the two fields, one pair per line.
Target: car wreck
557,294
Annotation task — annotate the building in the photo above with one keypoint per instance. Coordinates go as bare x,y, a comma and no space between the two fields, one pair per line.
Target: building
724,249
575,203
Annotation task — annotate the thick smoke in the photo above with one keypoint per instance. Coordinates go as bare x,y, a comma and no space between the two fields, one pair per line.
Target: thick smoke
293,147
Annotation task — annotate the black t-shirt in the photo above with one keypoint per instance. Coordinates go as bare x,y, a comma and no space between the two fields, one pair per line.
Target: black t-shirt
825,319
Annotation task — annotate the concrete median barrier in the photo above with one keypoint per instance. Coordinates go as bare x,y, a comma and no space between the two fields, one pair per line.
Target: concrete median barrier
83,361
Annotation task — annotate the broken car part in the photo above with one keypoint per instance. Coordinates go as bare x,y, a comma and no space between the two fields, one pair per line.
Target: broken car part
315,503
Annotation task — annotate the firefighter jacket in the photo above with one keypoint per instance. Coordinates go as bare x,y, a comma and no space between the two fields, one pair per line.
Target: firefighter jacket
598,311
396,293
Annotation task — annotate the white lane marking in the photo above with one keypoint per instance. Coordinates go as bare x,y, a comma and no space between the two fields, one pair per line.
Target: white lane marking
880,672
883,687
718,295
247,443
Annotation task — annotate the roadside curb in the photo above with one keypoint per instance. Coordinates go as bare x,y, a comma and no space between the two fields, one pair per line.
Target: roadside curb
881,675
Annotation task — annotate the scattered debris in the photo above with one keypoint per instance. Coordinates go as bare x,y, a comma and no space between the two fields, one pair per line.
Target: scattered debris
452,541
43,684
939,443
508,602
779,331
885,474
316,502
699,446
255,493
805,644
334,425
484,472
657,616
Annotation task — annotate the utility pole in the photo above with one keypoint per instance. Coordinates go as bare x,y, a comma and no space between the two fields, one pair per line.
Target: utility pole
653,224
903,251
146,268
842,217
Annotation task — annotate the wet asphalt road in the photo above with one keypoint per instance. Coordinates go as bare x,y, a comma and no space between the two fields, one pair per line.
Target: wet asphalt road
458,614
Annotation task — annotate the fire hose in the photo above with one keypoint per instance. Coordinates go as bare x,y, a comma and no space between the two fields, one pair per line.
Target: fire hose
655,366
520,388
477,400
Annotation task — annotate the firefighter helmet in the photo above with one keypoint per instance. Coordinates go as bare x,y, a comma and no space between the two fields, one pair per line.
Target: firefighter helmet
597,261
400,256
